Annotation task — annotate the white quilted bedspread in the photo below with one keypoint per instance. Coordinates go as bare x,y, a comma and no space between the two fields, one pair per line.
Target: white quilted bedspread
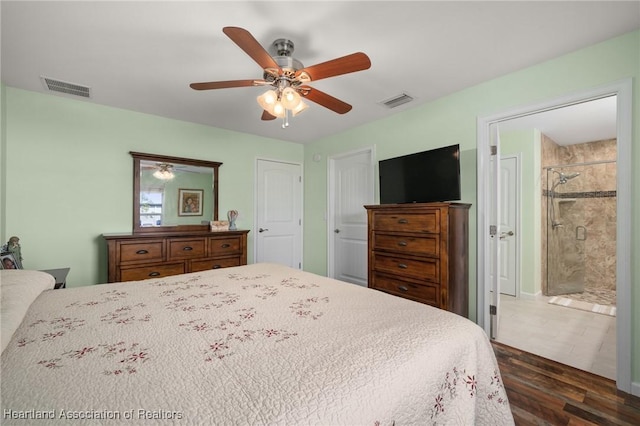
259,344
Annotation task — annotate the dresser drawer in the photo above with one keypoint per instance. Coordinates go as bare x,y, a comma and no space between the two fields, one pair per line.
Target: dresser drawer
148,251
145,272
187,248
224,246
408,222
428,245
426,269
205,265
426,293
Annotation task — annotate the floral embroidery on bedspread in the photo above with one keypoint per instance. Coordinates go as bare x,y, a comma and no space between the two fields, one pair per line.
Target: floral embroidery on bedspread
127,358
107,296
123,315
55,328
266,291
304,308
189,304
458,383
222,348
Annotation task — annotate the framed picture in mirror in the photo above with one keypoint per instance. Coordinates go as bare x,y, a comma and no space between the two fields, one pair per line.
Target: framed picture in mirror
190,202
8,261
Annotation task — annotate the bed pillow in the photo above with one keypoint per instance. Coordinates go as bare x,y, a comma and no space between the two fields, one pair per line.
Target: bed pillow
18,289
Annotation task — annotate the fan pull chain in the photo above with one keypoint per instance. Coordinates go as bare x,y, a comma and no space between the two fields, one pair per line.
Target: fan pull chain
285,119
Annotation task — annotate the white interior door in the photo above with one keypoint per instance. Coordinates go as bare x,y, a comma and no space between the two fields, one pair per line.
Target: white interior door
509,184
351,188
278,236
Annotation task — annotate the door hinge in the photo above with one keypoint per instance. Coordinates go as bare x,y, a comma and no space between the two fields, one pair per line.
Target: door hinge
299,221
299,265
493,310
300,179
493,230
494,150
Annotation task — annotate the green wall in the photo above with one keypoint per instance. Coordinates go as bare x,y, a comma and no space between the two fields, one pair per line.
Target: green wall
452,119
68,175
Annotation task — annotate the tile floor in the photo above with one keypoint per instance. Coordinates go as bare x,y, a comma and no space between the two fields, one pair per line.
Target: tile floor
581,339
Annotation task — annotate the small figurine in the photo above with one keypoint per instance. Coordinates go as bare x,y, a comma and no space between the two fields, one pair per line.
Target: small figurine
232,215
13,247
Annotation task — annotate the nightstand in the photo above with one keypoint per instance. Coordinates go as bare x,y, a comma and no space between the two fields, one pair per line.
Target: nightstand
60,275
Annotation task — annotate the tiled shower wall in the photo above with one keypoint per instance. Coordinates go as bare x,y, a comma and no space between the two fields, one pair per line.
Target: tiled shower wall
594,208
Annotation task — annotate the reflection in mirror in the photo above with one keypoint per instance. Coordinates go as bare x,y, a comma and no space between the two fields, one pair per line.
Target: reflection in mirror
174,194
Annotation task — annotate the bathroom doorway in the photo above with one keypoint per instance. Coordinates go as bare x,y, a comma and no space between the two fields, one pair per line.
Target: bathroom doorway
557,314
621,327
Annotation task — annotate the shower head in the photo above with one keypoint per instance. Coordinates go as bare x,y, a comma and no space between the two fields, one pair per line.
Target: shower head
571,176
564,178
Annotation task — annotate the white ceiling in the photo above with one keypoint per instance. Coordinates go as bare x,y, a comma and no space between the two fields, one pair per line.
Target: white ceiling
584,122
142,56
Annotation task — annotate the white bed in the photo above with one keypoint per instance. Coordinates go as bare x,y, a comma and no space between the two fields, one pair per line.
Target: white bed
256,344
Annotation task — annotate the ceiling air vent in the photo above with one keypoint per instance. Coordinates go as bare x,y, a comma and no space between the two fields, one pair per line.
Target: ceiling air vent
66,87
398,100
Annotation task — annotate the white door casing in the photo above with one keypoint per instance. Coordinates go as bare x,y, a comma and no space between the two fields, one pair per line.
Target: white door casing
351,187
494,232
278,224
623,90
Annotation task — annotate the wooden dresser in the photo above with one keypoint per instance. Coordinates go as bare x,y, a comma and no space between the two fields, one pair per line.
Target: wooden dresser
140,256
420,252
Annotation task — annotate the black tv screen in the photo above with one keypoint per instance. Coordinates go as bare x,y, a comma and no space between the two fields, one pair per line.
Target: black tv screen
423,177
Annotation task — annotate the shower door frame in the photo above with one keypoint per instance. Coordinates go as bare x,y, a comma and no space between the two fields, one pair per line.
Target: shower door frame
623,90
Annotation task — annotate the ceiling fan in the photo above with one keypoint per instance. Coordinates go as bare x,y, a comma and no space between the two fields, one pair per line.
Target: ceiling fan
288,77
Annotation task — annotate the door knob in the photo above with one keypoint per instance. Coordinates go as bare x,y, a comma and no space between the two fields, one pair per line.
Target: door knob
337,231
263,229
506,234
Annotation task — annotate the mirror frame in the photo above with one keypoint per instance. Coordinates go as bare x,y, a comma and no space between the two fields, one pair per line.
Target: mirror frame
137,157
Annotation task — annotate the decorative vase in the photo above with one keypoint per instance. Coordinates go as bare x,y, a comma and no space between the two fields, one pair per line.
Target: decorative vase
232,215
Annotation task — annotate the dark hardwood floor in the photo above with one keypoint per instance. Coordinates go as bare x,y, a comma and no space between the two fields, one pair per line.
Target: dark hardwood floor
544,392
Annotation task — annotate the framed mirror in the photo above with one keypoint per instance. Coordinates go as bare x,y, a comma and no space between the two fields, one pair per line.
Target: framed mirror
173,194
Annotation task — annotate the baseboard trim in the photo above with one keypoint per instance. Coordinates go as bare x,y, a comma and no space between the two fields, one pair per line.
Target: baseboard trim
635,388
530,296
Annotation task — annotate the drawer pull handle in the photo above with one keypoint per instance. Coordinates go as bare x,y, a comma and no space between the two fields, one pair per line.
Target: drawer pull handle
187,248
402,266
154,274
216,267
142,252
403,221
402,288
402,243
225,245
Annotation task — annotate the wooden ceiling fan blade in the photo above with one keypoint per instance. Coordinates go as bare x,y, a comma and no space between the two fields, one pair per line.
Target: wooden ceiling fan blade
266,116
225,84
344,65
250,45
327,101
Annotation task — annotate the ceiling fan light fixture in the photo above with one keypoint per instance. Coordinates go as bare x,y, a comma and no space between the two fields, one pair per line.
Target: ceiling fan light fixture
290,98
301,107
278,110
164,172
288,77
268,99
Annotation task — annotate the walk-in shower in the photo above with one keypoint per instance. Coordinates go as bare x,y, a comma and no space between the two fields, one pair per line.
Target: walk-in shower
581,228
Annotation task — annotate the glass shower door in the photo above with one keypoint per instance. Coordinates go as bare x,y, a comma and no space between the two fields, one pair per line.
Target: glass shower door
566,232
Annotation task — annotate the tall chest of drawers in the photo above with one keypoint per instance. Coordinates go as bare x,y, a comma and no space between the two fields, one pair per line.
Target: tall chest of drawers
140,256
421,252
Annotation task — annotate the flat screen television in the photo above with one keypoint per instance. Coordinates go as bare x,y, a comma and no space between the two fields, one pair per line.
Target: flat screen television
423,177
